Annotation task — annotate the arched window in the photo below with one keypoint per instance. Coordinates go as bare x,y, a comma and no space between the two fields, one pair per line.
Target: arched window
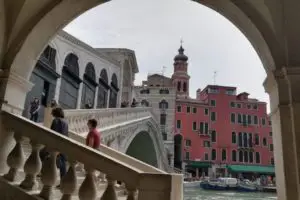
163,91
245,140
250,140
240,140
178,86
145,103
213,154
250,157
245,156
163,104
184,87
89,87
114,89
224,155
102,89
48,56
233,155
257,157
213,136
233,138
145,91
240,156
70,82
272,161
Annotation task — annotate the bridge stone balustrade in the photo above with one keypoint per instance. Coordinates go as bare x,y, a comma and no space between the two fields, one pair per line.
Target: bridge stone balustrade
119,128
138,183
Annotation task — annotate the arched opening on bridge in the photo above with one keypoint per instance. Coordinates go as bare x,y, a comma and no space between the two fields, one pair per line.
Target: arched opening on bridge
70,82
142,148
178,151
44,79
103,89
89,87
114,89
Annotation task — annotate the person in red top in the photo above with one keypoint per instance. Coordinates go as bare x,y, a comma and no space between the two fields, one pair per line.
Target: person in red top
93,138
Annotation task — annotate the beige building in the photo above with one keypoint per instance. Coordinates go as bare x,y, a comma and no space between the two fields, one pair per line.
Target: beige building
157,92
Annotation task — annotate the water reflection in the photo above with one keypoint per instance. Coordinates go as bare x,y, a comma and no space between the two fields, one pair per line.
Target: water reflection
199,194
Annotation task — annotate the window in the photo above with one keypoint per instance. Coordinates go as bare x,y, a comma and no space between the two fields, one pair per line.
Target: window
206,128
239,118
256,142
163,104
265,141
232,104
233,155
206,143
257,157
250,157
145,91
250,140
201,127
213,136
206,111
184,86
244,119
232,117
271,147
213,90
249,119
255,107
245,139
238,105
178,124
270,123
233,138
213,116
241,156
206,156
165,136
255,120
187,155
230,92
188,109
178,86
213,102
240,140
270,134
194,126
178,108
263,121
194,110
163,118
188,143
272,161
213,154
223,155
249,106
245,156
164,91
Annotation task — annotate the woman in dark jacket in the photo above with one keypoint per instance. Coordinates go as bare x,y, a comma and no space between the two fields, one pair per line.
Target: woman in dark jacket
34,109
61,126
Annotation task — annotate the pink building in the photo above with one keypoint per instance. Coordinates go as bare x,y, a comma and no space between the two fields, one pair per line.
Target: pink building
220,131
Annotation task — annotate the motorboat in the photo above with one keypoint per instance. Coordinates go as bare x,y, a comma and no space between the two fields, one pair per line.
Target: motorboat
246,186
219,184
191,184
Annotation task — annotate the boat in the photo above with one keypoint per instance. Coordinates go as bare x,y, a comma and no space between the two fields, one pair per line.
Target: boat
246,186
270,188
191,184
219,184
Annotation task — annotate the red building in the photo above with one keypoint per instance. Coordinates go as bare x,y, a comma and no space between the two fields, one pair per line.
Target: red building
220,131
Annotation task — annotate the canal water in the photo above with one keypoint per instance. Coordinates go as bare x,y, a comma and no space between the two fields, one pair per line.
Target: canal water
199,194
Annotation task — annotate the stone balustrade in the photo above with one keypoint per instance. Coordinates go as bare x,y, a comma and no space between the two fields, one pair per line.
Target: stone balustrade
139,184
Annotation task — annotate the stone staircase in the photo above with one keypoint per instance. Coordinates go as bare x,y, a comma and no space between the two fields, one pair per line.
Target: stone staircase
138,181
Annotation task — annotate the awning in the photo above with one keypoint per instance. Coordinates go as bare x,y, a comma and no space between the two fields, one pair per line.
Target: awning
252,168
198,164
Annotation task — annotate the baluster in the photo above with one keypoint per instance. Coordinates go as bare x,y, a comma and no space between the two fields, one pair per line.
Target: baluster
69,183
87,190
131,193
110,192
32,167
15,159
49,176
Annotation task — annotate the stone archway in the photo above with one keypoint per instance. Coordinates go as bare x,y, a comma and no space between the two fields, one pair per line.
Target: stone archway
142,148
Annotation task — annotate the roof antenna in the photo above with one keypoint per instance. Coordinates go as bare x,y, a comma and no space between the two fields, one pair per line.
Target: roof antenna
163,73
215,77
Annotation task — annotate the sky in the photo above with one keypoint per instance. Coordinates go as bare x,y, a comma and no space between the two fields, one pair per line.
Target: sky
153,29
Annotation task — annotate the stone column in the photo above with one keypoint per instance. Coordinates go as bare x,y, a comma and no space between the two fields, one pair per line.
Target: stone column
79,96
197,172
283,87
15,88
107,100
96,98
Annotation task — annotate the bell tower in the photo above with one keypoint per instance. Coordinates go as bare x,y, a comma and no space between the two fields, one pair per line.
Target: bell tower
180,77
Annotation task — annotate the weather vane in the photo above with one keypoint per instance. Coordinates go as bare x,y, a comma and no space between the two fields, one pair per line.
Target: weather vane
181,41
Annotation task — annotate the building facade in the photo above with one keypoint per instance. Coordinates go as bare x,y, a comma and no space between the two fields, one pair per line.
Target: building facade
158,92
75,74
220,129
